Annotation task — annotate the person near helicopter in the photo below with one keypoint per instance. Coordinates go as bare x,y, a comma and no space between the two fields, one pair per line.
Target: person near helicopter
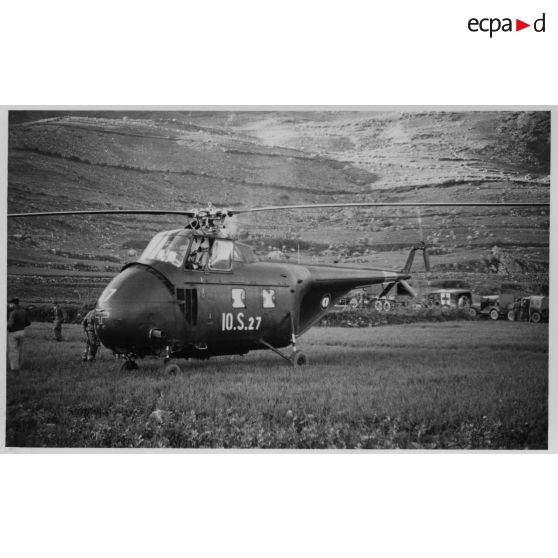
18,320
92,341
199,254
57,320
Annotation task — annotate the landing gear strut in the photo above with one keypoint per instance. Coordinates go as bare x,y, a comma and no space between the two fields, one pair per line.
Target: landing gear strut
170,368
167,357
297,357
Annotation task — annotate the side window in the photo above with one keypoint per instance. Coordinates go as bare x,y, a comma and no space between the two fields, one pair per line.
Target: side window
237,254
220,258
245,253
268,298
238,298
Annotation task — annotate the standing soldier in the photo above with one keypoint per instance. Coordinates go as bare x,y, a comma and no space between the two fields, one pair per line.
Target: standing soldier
18,320
92,341
58,320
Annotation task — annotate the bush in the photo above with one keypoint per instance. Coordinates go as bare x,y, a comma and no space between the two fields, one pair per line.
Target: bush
372,318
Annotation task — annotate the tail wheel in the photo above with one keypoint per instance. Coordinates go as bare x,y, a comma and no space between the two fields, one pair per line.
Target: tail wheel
299,358
536,317
128,365
511,316
494,314
172,369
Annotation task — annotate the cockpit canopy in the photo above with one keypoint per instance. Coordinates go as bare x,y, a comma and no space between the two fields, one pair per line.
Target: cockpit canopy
186,250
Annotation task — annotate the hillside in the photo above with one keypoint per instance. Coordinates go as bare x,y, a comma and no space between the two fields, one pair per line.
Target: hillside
169,160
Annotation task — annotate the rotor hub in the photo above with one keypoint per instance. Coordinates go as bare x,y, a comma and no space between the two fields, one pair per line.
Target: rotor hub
208,220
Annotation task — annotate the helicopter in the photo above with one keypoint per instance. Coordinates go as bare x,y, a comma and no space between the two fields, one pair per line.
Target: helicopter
197,292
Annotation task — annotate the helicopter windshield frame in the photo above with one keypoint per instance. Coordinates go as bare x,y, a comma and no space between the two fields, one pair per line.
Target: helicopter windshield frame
168,247
196,252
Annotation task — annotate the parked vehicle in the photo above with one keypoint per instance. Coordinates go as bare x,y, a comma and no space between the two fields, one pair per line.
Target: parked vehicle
384,304
530,309
354,299
495,306
359,298
451,298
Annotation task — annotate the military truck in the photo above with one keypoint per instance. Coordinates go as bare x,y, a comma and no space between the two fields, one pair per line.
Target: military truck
495,306
530,309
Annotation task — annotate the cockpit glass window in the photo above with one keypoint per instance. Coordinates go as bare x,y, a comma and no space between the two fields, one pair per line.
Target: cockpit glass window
199,253
221,255
168,246
243,253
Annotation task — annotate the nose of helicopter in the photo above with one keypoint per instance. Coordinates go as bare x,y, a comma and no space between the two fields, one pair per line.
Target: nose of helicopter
135,311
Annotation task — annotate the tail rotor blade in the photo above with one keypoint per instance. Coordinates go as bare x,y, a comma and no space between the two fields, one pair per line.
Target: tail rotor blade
408,288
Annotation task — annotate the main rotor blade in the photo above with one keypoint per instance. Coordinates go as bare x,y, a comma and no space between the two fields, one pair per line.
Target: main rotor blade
105,212
392,204
229,212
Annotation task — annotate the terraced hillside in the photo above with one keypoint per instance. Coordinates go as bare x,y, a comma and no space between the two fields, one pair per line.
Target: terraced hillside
169,160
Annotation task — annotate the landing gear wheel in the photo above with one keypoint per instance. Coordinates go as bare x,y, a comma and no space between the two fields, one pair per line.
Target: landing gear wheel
299,358
536,317
511,316
494,314
378,306
387,306
472,312
172,369
128,365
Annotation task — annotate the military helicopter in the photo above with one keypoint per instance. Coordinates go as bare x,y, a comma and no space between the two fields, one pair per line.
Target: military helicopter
196,292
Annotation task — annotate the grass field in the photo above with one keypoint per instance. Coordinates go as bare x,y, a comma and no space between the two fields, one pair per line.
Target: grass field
469,385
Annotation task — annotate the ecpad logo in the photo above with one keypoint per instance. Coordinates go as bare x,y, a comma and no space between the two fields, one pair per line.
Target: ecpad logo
493,25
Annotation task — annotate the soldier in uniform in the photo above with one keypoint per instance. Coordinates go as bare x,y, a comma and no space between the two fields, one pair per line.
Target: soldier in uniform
92,341
58,320
18,320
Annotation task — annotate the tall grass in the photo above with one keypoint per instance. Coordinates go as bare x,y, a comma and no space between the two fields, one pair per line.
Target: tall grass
437,385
